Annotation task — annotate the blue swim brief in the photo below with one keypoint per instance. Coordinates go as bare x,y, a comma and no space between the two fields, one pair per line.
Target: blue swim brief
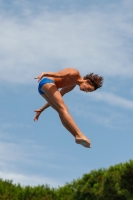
43,82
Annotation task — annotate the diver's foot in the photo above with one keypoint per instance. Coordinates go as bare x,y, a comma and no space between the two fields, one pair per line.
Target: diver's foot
83,141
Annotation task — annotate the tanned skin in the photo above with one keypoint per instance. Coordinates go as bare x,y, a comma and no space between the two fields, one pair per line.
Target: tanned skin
65,79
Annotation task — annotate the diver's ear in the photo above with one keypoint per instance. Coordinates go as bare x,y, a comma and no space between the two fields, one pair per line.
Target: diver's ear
87,81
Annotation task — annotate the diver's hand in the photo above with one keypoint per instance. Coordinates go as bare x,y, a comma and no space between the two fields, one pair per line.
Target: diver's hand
40,76
38,112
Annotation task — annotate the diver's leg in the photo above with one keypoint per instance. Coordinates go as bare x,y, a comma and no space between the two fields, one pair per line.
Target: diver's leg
55,97
62,120
66,126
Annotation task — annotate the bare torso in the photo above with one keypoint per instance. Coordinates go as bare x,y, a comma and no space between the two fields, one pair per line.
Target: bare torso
67,81
63,82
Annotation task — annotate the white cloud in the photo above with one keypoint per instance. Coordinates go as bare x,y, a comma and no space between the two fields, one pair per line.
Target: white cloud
18,150
95,41
109,98
113,99
131,91
102,114
19,157
10,125
105,108
31,180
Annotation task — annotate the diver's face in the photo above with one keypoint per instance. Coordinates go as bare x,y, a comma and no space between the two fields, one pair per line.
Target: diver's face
86,87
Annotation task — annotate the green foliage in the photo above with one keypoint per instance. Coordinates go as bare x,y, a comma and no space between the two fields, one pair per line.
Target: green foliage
115,183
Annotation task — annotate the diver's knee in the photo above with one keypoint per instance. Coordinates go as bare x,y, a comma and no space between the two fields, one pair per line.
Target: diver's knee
63,110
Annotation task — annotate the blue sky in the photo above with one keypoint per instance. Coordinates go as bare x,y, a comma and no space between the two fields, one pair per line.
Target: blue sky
92,36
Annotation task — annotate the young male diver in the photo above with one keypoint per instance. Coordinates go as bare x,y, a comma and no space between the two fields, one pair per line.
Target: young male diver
67,79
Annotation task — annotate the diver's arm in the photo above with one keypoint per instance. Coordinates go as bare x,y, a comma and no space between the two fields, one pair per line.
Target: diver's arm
45,106
39,111
65,90
61,74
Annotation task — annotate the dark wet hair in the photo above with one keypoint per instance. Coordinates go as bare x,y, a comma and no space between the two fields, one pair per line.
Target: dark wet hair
94,80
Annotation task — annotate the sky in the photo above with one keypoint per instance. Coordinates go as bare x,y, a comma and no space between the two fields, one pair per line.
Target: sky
40,36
